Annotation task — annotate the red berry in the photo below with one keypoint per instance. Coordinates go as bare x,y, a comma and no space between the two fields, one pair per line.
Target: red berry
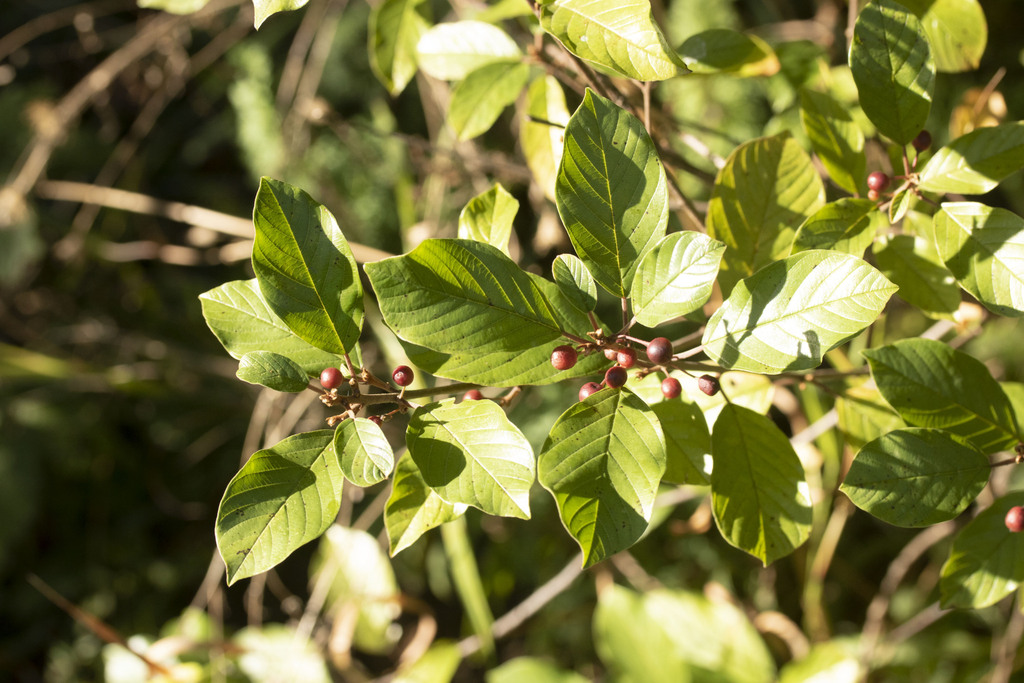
376,419
1015,519
878,181
611,353
331,378
923,141
403,375
873,195
616,376
626,358
659,350
671,387
472,395
563,357
588,389
708,384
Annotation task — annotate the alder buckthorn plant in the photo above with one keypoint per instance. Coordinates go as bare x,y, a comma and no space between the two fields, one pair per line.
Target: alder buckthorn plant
575,339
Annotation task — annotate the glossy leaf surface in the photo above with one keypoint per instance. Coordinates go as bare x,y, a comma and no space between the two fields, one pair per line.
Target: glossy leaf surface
956,30
911,262
452,50
836,138
542,131
267,8
846,225
975,163
413,507
575,281
488,217
483,94
272,370
364,452
396,27
675,277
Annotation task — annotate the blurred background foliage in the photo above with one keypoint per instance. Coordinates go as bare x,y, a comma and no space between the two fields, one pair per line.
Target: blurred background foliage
121,420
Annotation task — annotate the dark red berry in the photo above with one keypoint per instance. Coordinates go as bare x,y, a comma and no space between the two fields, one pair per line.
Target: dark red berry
878,181
708,384
331,378
923,141
588,389
563,357
626,358
873,195
611,353
659,350
671,387
616,376
472,395
403,375
376,419
1015,519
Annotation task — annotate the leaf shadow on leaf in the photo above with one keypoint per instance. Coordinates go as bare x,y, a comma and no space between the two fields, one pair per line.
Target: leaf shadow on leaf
440,463
971,257
289,478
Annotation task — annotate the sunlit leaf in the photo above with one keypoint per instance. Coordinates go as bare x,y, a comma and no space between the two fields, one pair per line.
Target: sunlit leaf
602,461
275,652
916,477
911,262
836,138
759,492
865,416
437,665
611,191
687,440
847,225
483,94
175,6
893,68
488,217
272,370
541,133
787,315
395,29
975,163
413,508
675,277
620,35
363,451
575,281
533,670
453,50
721,50
267,8
956,31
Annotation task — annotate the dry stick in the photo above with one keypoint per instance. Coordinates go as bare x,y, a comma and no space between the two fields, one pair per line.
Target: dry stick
898,568
512,619
52,21
297,51
1008,646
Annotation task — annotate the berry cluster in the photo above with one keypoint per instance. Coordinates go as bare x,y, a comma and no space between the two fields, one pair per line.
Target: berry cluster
878,181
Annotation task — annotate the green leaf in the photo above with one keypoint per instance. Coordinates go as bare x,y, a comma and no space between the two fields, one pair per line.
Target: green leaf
284,497
721,50
437,665
488,217
453,50
468,583
975,163
687,441
788,314
267,8
533,670
275,652
413,508
916,477
175,6
766,189
620,35
893,68
611,191
986,562
360,583
759,493
865,416
272,370
396,27
305,268
243,322
836,660
836,139
482,318
470,453
956,31
846,225
675,277
602,462
363,451
542,131
983,247
665,636
483,94
575,281
900,204
911,262
931,385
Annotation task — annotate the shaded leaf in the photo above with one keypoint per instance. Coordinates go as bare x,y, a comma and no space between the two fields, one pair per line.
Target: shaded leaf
900,204
453,50
488,217
483,94
175,6
620,35
720,50
602,462
575,281
687,441
759,492
911,262
675,277
956,30
766,189
983,247
533,670
986,562
305,268
788,314
847,225
975,163
363,451
893,68
931,385
916,477
437,665
541,133
836,139
865,416
470,453
272,370
611,191
284,497
396,27
413,508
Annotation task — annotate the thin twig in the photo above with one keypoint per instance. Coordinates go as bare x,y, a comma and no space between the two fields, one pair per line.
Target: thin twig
1006,652
51,21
